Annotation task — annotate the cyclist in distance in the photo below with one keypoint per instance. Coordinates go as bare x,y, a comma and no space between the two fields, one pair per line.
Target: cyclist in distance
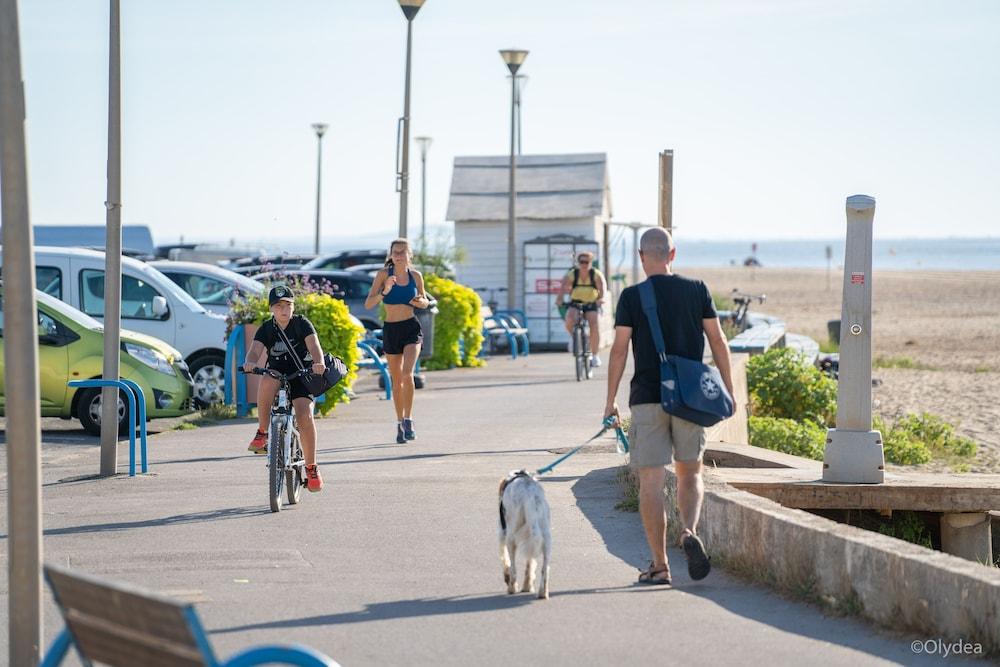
401,288
301,334
585,286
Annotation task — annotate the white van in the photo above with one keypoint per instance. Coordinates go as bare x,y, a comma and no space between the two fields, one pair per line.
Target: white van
151,304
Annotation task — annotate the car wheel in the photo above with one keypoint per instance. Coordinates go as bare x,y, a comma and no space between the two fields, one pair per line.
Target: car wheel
208,375
88,411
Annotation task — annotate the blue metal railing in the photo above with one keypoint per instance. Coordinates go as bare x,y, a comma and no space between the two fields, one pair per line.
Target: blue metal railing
136,398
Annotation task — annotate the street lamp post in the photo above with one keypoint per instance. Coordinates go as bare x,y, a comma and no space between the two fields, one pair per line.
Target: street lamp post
513,58
424,143
319,128
410,9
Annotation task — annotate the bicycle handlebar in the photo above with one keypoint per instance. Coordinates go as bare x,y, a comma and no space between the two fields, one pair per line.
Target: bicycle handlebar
275,374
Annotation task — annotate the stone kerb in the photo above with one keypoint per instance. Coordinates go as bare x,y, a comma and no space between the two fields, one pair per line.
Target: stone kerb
890,581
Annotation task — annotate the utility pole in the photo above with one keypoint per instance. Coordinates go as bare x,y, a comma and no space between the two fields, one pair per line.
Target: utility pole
666,206
20,344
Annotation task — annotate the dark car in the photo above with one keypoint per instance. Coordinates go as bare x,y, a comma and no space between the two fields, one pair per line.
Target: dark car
350,286
345,259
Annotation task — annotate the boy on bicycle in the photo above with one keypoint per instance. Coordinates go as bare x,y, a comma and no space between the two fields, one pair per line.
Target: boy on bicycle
301,335
585,285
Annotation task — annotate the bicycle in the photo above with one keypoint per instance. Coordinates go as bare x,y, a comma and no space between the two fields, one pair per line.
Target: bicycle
285,462
738,318
581,343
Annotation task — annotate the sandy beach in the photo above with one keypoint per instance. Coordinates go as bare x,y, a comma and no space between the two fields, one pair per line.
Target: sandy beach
946,323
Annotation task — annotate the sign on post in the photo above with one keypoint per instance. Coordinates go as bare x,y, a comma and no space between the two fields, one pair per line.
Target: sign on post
853,450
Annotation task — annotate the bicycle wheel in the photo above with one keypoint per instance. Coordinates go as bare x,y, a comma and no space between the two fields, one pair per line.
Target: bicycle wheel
588,370
578,353
275,467
293,474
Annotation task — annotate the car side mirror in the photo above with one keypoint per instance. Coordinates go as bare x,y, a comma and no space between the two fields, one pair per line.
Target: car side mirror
160,309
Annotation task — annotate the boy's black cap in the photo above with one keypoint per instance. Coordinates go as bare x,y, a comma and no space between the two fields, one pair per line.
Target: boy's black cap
279,293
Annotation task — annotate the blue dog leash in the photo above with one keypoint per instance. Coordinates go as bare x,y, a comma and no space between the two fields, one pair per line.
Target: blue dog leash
621,445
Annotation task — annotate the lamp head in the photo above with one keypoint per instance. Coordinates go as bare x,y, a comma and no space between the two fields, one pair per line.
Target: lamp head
320,128
410,8
424,143
513,58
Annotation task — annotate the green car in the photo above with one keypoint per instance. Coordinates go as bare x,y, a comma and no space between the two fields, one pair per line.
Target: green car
71,347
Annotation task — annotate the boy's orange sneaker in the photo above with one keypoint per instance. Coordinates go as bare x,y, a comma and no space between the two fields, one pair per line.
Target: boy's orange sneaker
259,444
314,481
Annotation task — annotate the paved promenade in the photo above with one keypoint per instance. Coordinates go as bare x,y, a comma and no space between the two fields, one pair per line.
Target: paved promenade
396,561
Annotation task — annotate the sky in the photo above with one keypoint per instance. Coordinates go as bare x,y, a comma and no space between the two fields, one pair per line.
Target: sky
776,110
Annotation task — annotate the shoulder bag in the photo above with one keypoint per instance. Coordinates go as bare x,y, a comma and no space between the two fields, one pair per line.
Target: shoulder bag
689,389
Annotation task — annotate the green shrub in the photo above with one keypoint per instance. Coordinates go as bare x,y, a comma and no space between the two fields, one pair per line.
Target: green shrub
806,438
901,362
784,384
337,333
458,319
919,438
907,526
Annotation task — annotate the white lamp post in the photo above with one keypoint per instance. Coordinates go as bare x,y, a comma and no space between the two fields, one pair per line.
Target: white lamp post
424,143
513,58
320,129
410,9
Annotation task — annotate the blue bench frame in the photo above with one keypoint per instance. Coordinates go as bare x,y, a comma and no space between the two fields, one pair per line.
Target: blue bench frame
135,396
511,327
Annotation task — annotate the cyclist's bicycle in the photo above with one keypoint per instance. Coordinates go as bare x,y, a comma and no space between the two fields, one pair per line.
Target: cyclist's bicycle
285,462
581,342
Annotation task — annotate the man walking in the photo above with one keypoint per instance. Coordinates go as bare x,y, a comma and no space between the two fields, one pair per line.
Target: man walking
656,439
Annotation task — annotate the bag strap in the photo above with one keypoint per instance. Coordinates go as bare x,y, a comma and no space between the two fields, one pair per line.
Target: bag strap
291,350
648,300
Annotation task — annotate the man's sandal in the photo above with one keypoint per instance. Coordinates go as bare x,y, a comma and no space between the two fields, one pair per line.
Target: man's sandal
648,576
699,563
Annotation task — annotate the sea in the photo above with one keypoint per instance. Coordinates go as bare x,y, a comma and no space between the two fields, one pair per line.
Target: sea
951,254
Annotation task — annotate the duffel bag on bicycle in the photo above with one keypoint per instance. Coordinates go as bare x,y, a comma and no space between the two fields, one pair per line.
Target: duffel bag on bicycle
689,389
335,371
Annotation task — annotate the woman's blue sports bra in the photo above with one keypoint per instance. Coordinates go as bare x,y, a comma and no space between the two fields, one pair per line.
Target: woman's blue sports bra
401,294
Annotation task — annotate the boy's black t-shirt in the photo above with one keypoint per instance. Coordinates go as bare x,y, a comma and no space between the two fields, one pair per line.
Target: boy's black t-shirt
682,304
278,358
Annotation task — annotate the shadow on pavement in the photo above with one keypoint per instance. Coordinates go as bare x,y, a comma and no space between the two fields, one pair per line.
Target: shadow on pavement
495,385
596,494
414,457
177,519
382,611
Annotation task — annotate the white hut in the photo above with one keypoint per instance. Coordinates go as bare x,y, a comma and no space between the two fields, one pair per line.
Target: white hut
563,202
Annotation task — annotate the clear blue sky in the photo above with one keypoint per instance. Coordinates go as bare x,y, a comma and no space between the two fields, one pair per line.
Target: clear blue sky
776,110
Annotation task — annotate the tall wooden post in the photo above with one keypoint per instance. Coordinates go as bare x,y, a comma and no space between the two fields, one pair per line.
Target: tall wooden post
666,207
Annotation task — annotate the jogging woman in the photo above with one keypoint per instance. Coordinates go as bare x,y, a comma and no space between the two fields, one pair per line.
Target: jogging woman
401,288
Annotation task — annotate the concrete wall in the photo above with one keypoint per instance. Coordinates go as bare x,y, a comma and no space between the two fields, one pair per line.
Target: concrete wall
734,430
892,582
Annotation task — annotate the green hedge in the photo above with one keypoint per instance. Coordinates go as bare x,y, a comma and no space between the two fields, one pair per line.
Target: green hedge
337,333
805,438
458,319
783,384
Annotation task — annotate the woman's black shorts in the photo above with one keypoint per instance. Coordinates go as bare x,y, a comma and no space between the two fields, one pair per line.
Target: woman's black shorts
397,335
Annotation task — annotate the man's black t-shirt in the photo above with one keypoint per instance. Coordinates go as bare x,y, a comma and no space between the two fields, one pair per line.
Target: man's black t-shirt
682,304
278,358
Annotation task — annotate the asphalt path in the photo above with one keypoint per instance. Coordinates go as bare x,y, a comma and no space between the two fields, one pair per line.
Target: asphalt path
396,560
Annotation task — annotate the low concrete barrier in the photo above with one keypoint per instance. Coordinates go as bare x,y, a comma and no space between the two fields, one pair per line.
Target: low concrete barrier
892,582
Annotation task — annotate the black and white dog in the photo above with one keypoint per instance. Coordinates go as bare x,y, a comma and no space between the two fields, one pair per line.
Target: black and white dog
524,531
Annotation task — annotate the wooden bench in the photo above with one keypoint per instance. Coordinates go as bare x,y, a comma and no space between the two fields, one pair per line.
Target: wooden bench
501,324
759,339
118,625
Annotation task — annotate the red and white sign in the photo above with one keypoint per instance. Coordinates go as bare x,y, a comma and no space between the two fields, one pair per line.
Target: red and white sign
547,286
857,278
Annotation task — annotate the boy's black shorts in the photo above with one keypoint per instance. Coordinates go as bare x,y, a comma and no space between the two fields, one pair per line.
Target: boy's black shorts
297,386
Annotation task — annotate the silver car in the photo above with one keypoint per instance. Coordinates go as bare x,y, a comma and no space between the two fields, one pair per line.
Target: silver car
211,286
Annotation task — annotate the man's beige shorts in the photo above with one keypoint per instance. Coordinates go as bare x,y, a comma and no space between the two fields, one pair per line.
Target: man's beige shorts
656,438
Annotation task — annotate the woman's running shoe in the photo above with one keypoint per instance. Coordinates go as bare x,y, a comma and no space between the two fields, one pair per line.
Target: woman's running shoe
400,434
408,430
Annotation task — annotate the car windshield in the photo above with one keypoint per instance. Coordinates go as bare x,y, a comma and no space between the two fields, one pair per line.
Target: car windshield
170,286
68,311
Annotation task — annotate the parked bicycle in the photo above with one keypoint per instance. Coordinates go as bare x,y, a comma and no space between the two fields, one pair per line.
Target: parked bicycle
742,301
581,343
285,462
